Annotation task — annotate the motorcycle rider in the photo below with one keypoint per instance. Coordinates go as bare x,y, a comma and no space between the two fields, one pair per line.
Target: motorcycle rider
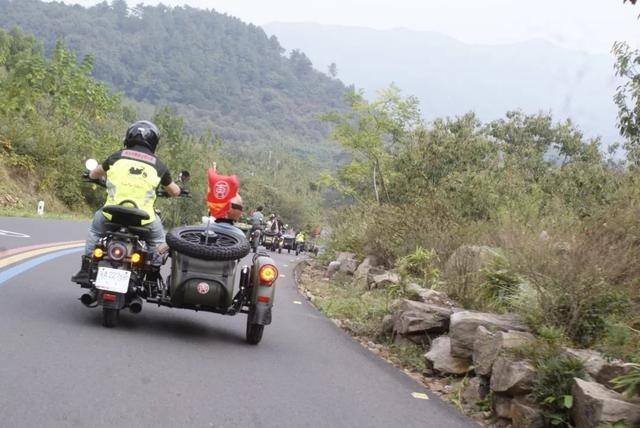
133,173
233,215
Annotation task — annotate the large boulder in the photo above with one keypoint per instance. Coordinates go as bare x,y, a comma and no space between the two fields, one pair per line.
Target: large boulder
600,369
384,279
512,377
413,317
348,262
594,404
526,415
488,345
439,357
333,267
362,273
464,265
465,323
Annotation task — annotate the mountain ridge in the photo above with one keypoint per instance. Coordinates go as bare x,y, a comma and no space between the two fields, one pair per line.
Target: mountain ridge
451,77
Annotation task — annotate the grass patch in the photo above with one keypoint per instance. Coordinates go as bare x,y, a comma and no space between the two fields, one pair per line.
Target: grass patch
361,313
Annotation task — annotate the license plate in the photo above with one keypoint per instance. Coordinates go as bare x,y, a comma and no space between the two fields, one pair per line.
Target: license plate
114,280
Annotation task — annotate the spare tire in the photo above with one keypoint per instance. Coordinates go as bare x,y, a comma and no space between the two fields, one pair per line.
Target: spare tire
188,240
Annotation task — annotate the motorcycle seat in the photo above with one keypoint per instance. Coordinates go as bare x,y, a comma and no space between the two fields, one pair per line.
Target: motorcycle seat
126,216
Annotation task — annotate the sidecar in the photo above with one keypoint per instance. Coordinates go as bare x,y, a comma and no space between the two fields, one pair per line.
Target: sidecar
288,242
206,275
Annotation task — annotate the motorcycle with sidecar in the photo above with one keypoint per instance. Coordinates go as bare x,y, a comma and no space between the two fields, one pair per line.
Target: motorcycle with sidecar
205,273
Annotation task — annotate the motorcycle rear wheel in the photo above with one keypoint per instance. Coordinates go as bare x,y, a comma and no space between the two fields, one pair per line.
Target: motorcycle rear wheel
110,317
254,332
188,240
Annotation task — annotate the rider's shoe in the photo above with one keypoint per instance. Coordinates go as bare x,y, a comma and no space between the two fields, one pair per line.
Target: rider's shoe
83,276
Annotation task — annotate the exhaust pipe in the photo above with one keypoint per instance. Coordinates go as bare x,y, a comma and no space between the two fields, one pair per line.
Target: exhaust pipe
89,299
135,307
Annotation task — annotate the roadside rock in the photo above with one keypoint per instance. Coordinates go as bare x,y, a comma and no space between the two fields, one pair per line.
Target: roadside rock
387,324
465,323
348,262
413,317
384,279
594,404
501,405
597,366
526,415
332,269
439,356
476,390
362,273
343,256
512,377
349,266
487,346
430,296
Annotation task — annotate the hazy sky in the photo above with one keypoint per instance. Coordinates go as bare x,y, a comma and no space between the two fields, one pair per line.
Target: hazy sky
590,25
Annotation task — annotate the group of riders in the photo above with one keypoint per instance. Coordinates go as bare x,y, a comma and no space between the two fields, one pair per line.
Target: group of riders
274,225
134,174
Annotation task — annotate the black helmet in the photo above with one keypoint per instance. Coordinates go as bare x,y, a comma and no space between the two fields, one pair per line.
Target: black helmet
144,133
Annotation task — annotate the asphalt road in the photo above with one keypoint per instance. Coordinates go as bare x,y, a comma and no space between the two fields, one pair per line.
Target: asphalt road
175,368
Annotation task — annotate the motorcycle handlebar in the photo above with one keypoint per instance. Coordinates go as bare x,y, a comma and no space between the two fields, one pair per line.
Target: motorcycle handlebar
102,182
87,179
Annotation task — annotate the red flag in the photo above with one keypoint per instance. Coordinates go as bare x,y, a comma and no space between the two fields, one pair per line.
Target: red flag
222,188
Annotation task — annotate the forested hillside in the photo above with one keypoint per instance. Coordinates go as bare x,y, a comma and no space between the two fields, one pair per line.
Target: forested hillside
54,115
220,73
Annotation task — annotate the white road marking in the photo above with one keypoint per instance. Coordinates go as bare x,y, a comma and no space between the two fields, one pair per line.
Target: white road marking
283,276
420,395
285,265
11,234
297,302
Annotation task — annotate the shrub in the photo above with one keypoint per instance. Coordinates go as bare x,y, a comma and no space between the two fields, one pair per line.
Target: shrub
499,285
552,389
419,265
620,341
629,384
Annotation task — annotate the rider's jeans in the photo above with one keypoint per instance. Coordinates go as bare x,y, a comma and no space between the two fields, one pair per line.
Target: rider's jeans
98,228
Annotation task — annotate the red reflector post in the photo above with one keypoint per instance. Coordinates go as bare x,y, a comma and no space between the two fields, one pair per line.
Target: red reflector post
109,297
263,299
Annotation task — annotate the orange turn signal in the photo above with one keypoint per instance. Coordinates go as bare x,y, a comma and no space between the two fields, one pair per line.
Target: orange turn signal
268,274
98,253
136,257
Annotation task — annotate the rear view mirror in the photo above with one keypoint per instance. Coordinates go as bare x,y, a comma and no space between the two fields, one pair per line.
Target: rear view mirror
91,164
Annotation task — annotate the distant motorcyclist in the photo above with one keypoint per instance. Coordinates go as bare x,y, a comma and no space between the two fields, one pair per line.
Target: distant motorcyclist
300,237
257,217
272,219
134,174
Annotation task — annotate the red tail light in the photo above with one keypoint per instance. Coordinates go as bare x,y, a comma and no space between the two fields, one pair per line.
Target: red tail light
264,299
109,297
268,274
